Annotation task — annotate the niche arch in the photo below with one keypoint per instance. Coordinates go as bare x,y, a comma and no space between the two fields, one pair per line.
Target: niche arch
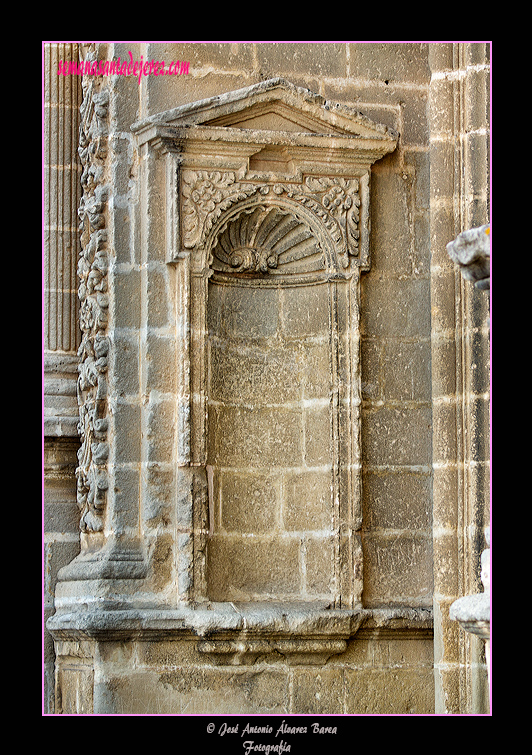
276,398
280,224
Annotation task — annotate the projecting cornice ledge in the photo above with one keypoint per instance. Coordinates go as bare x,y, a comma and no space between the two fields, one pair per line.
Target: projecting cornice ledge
238,634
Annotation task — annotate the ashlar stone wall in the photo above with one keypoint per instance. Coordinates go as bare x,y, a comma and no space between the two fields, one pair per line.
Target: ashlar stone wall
270,434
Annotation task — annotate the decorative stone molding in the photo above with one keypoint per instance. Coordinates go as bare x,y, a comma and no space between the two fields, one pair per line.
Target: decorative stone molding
239,634
336,201
267,138
473,612
91,473
267,189
61,411
246,652
471,251
245,247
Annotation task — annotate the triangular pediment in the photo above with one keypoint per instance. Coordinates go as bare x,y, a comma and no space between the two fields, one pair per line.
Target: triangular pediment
273,105
275,115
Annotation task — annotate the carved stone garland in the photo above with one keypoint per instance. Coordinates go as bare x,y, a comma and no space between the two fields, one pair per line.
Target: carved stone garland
91,473
207,195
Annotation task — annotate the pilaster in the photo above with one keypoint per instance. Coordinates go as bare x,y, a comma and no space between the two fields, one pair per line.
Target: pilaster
61,332
459,181
61,190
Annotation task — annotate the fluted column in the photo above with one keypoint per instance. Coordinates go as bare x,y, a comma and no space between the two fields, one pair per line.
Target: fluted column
61,335
61,189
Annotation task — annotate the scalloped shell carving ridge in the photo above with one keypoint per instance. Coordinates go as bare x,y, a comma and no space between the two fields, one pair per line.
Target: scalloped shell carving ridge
266,239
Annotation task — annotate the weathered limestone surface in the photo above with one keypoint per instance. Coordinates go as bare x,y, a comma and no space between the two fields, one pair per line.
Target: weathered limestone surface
459,154
471,251
60,333
260,352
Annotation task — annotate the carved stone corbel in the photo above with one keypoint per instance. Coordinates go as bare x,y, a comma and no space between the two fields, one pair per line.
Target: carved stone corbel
471,251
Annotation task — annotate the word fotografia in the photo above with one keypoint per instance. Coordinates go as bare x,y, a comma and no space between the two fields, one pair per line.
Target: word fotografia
250,746
123,68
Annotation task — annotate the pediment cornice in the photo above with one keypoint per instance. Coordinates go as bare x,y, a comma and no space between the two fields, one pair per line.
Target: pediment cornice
270,112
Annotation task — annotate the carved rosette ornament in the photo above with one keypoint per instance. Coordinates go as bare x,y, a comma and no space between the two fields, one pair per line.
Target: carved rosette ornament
91,473
341,200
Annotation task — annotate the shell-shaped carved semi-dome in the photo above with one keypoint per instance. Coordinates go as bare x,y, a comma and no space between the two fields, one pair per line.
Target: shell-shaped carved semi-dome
267,240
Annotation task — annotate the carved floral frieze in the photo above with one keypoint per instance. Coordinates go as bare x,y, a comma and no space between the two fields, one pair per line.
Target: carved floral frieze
91,473
334,201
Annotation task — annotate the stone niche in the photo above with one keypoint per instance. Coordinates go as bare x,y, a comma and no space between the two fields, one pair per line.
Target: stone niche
281,462
260,199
